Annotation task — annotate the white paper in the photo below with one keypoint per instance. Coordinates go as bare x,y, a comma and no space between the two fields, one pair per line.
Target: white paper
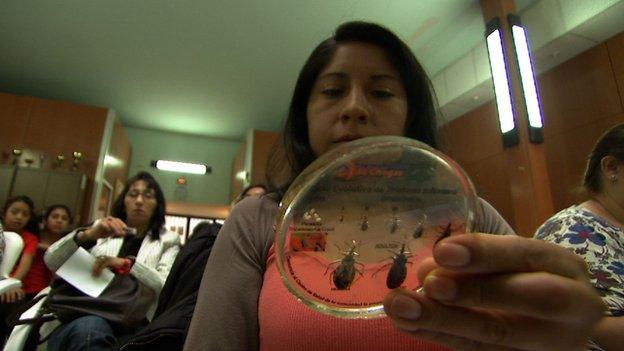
77,272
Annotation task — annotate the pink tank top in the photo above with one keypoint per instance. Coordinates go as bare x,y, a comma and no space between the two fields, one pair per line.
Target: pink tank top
287,324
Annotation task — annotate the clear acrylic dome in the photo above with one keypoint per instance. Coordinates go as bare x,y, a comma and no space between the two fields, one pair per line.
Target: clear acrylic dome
358,221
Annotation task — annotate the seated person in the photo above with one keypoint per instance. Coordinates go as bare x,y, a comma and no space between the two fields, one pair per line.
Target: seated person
19,217
595,231
364,81
141,205
56,220
177,300
250,190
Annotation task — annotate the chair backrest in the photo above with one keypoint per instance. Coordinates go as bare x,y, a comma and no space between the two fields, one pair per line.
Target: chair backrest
12,251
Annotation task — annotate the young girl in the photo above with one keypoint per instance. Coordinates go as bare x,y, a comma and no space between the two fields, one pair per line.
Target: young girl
56,221
481,291
18,216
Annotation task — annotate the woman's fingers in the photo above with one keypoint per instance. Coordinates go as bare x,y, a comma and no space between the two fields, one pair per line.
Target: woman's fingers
110,226
100,264
486,253
481,329
538,294
13,296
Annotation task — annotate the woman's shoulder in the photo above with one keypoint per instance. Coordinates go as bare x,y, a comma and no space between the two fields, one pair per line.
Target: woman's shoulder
568,217
488,220
254,208
251,223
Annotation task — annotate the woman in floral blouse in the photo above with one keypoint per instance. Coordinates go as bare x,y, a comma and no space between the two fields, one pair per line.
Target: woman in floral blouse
595,231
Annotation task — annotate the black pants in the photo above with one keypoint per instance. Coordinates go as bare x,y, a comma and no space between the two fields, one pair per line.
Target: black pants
6,310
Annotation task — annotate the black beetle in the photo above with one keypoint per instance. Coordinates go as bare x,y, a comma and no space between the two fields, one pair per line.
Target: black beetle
344,275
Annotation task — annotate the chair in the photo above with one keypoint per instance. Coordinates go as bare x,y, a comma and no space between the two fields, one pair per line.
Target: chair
18,337
12,251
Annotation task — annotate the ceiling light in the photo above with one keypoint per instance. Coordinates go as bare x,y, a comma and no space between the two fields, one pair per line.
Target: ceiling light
181,167
527,76
500,77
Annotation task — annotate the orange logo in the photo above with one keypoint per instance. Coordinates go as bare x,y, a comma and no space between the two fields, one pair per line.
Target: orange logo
351,170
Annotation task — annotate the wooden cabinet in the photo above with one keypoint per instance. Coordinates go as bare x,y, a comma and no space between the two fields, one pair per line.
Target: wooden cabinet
45,187
60,128
249,166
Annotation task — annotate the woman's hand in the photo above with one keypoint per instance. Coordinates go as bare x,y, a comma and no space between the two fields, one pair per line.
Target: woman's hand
12,295
102,262
103,228
490,292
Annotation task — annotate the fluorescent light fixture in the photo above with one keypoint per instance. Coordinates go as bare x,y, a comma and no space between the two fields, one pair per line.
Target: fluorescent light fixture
500,78
527,76
112,161
242,175
181,167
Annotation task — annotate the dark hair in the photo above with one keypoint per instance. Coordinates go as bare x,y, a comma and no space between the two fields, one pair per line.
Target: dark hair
158,217
611,143
420,123
204,226
243,193
51,208
31,225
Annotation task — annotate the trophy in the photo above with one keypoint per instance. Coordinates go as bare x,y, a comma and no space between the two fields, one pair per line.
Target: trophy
16,156
59,161
77,155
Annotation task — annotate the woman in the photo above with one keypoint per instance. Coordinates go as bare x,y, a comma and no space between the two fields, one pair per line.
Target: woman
481,291
141,206
594,230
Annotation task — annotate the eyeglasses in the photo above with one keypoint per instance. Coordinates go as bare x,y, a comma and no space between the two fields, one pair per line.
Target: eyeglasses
147,195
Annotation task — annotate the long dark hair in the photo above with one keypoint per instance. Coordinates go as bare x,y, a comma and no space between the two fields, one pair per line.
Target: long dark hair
611,143
295,153
31,225
157,221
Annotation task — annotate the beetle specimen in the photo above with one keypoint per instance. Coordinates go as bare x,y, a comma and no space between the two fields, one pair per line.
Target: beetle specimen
398,268
344,275
418,232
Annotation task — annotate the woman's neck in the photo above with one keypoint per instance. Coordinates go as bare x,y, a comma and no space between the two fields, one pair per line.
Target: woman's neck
607,208
141,228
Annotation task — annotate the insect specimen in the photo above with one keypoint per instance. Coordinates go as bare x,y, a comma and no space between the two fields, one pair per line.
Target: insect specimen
418,232
398,268
344,275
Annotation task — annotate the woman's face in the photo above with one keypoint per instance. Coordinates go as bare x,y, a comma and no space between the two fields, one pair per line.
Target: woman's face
58,221
140,202
358,94
16,217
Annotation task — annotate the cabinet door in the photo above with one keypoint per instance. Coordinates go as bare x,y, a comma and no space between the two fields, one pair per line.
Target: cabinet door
66,188
6,176
31,182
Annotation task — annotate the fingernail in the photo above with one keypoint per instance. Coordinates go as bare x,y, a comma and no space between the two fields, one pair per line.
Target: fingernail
452,255
440,288
405,307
